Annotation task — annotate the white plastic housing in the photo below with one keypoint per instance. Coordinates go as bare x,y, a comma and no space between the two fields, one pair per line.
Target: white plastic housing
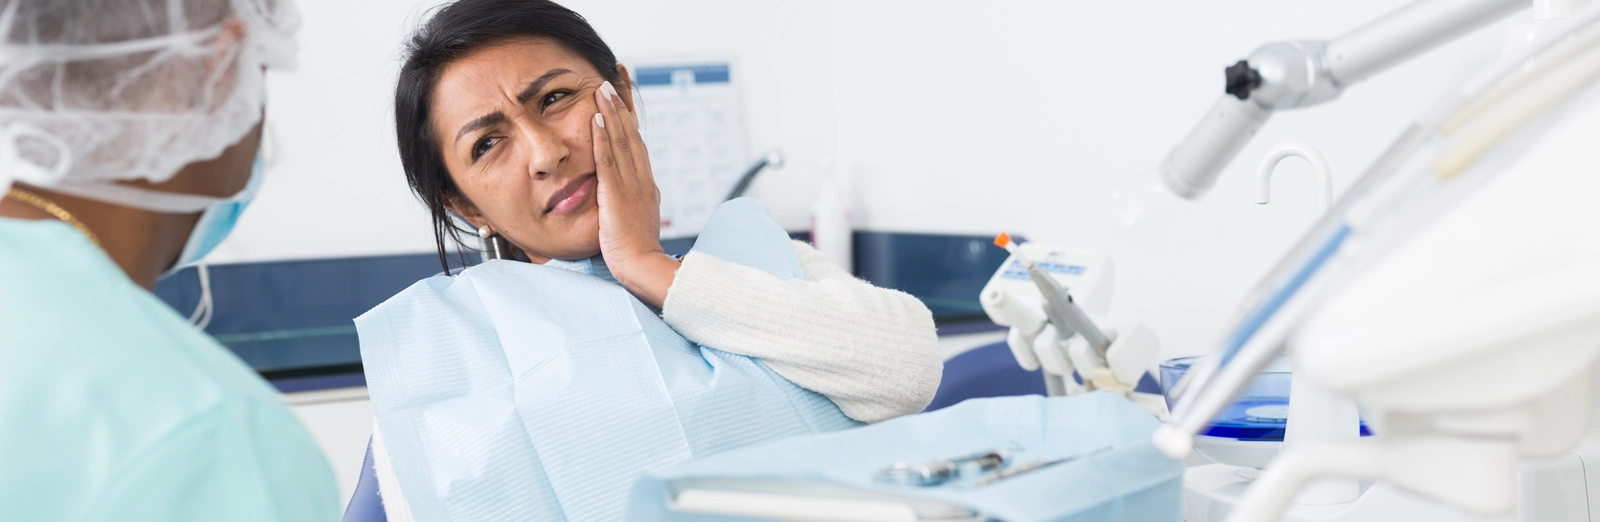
1087,275
1503,288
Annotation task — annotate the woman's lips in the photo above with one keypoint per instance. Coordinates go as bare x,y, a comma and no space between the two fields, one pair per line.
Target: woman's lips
572,196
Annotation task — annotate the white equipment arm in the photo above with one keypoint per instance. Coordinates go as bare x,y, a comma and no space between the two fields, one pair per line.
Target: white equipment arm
1287,75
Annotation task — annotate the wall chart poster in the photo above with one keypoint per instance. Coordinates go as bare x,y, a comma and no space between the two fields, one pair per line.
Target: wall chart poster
692,121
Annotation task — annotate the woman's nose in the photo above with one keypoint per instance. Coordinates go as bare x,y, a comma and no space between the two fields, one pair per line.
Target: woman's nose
546,151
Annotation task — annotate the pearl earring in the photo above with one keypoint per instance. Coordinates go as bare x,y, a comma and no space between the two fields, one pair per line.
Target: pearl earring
494,246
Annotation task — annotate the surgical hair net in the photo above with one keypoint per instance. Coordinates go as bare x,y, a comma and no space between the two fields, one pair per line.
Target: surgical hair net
98,90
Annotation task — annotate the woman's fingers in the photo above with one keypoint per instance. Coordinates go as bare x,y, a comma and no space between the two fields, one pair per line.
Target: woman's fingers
630,212
618,138
605,158
629,128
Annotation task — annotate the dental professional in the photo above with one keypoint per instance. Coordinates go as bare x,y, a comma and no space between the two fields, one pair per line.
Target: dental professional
516,116
128,145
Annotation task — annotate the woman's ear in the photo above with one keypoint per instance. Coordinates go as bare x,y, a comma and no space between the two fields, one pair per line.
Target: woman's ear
625,90
466,210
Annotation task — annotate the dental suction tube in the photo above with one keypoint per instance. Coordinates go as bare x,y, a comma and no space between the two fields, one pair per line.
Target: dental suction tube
1287,75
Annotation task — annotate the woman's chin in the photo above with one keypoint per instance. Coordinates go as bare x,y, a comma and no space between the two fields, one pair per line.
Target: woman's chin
576,239
584,253
576,249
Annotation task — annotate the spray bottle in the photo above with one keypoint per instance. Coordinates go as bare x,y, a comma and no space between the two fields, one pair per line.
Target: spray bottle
830,222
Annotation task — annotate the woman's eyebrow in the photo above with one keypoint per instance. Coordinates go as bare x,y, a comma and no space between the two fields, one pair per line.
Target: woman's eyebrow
537,84
522,97
479,123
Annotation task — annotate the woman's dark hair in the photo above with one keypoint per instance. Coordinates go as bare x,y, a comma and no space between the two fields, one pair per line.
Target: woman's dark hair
453,31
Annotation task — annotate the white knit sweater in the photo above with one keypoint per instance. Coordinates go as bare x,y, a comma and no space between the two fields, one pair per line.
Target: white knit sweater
873,351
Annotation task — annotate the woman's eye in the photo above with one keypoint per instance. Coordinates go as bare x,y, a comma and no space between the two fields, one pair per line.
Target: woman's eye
552,98
482,146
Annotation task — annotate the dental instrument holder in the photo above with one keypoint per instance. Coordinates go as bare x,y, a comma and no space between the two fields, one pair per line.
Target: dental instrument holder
1070,320
1012,298
1288,75
1065,314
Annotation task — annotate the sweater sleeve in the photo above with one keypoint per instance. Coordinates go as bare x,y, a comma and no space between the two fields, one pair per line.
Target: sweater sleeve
872,351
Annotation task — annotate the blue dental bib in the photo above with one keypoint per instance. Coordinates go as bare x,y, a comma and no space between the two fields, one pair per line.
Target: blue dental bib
517,391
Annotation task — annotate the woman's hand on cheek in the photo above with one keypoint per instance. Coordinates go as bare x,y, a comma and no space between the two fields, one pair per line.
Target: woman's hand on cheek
630,203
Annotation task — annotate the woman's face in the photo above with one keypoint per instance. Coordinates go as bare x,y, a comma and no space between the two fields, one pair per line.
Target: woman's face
512,121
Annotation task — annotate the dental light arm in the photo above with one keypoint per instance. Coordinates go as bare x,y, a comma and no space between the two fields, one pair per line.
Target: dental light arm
1287,75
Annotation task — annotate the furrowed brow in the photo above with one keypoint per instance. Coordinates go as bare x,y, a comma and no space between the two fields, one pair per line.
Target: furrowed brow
486,120
536,85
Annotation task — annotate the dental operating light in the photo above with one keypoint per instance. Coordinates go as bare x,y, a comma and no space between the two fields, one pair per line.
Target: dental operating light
1288,75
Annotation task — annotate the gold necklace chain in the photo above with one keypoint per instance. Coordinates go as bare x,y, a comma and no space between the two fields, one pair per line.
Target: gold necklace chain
50,207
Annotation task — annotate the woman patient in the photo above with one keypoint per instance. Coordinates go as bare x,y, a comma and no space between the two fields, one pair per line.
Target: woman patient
541,388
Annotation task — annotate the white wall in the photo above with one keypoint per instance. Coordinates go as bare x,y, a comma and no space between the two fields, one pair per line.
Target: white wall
1025,115
340,421
335,187
969,117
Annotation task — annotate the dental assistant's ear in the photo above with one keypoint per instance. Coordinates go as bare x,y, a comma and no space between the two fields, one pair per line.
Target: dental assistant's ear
625,88
227,43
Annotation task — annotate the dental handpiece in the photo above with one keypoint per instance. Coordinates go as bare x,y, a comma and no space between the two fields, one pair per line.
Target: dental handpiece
1059,306
1064,311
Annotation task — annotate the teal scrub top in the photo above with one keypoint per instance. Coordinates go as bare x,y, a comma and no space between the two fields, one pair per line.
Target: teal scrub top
112,407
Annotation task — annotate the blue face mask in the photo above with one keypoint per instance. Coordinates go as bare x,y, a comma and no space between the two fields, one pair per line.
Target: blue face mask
217,214
217,221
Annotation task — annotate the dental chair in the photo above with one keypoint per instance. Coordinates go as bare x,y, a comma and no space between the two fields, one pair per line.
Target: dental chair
985,371
991,371
366,505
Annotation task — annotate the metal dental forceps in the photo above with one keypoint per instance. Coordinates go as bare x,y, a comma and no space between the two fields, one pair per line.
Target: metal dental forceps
936,472
1032,466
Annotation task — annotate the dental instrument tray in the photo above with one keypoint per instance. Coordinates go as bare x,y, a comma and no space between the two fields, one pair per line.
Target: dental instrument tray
1010,458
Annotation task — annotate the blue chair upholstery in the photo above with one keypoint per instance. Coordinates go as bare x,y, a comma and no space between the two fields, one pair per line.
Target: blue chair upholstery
991,371
985,371
365,504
